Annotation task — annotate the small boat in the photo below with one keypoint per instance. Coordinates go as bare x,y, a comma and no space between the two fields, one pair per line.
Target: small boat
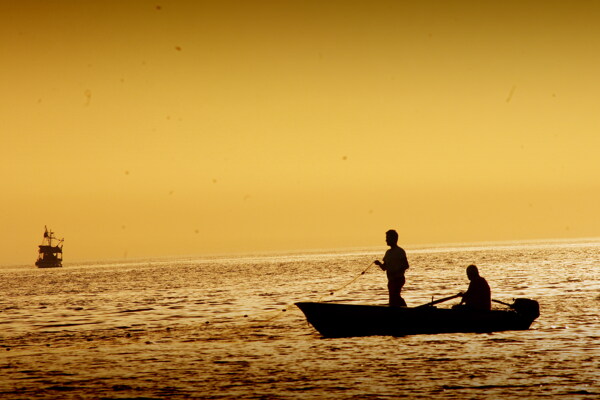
348,320
50,254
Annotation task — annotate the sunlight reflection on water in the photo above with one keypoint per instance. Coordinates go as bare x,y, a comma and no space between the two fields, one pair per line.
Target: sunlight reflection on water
216,328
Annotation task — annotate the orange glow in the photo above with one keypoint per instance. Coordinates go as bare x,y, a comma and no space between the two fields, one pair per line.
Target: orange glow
146,129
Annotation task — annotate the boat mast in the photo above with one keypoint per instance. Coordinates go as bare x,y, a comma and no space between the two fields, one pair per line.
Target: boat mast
49,255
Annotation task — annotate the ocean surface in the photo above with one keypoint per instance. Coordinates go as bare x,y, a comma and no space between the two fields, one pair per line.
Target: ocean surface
226,327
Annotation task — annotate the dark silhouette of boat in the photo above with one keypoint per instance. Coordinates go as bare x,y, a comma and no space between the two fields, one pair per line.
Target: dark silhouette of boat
50,255
347,320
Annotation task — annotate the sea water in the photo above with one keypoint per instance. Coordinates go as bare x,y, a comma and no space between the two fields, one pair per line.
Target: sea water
226,327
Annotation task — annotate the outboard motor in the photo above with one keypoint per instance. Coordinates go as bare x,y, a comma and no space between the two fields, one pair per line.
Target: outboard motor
527,307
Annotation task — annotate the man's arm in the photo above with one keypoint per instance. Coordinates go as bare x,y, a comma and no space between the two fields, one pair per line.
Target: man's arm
467,296
381,265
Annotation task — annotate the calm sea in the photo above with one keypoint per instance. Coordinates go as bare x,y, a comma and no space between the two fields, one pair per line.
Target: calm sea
226,328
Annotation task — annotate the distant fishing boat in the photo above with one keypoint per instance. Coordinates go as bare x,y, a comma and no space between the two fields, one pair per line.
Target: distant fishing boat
50,254
347,320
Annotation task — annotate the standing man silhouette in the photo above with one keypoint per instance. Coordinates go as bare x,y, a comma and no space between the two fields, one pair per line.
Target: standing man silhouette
394,264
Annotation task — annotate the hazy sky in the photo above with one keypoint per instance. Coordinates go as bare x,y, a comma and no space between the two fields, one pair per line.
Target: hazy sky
151,128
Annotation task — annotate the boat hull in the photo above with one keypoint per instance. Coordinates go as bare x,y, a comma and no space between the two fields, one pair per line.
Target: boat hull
347,320
48,264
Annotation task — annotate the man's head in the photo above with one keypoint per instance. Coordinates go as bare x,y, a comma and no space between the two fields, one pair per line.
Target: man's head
472,272
391,237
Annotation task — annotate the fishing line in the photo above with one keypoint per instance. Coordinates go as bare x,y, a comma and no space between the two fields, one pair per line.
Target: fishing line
331,293
279,312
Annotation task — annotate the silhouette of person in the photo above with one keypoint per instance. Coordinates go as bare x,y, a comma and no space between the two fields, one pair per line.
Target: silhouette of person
478,295
394,264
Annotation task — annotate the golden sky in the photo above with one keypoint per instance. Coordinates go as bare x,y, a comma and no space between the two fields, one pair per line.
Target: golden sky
159,128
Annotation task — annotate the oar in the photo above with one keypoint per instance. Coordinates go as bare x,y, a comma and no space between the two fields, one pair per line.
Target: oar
431,303
503,303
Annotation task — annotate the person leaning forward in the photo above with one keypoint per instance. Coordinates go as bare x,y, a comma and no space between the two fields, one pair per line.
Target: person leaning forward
478,295
394,264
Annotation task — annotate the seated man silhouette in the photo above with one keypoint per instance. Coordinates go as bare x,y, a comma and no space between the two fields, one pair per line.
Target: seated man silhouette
478,295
